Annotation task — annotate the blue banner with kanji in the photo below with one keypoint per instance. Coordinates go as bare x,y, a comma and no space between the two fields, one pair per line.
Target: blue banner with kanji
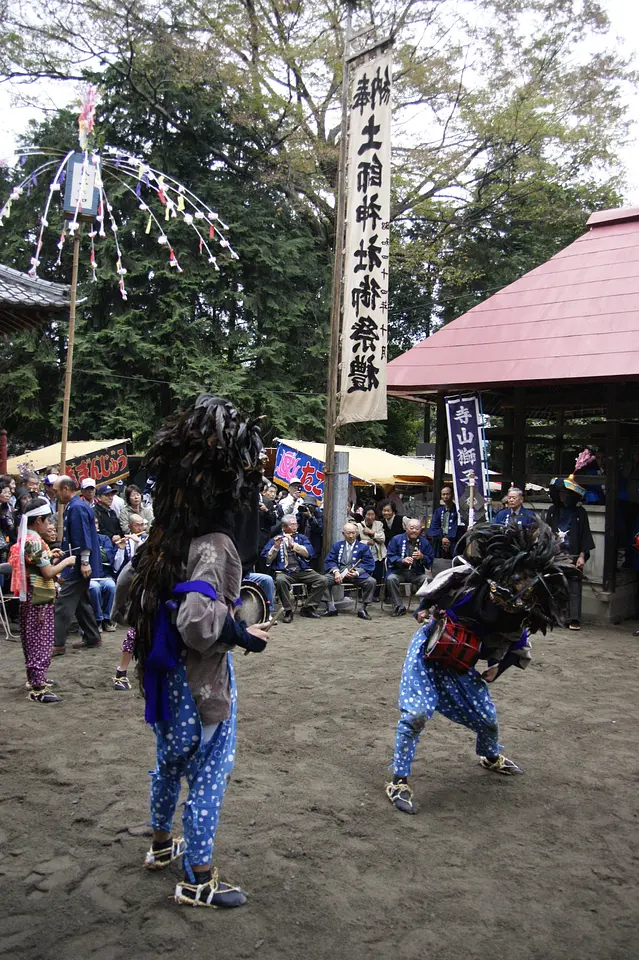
291,465
467,444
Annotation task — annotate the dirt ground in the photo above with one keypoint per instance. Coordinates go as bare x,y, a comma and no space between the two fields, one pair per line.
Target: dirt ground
537,867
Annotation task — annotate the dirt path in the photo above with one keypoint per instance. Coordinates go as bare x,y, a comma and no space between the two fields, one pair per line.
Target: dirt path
540,867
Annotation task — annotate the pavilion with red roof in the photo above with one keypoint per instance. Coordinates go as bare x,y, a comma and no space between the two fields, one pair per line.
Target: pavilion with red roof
555,356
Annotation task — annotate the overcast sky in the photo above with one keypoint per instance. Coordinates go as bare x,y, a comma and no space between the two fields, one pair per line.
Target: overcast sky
624,16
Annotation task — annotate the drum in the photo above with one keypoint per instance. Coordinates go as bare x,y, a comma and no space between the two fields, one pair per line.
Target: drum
254,608
452,645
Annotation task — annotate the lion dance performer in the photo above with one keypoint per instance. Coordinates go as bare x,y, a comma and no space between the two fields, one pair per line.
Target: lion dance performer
508,584
186,583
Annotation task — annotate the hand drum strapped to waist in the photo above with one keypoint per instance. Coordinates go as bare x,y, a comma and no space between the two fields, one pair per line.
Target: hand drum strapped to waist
452,645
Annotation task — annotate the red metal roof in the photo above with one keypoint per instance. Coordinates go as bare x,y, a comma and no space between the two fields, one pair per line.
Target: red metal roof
574,318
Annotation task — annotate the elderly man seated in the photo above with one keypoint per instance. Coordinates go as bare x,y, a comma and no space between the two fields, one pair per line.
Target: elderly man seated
288,555
514,511
350,562
409,557
128,545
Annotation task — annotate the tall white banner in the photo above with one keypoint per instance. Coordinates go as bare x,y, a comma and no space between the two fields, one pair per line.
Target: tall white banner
365,309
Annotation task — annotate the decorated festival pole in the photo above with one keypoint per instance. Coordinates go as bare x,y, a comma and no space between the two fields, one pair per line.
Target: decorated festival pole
85,200
68,376
83,173
336,302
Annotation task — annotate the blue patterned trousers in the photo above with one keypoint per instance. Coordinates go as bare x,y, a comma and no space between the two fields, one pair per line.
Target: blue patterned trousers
427,687
206,762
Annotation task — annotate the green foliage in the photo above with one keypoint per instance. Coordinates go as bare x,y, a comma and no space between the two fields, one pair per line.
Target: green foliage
255,331
506,136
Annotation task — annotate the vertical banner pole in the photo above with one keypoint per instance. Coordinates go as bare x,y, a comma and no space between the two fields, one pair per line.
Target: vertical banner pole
467,452
336,300
366,260
66,403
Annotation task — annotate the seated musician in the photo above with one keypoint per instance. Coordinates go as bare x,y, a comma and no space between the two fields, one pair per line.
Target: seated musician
514,511
288,554
350,562
409,558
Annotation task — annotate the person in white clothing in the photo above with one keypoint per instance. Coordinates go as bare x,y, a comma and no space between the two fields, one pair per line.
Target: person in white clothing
288,506
128,545
87,490
118,501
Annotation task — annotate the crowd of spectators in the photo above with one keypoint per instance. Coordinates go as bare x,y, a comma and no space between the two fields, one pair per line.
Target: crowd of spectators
383,555
103,523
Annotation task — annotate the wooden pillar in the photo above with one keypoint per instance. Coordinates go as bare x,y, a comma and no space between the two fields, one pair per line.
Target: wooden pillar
519,439
612,493
427,423
507,450
559,442
441,448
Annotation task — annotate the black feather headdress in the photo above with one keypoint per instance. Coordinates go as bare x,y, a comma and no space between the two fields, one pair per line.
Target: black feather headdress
207,465
523,568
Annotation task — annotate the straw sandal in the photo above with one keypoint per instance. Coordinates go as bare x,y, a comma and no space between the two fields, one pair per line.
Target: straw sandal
43,695
501,765
401,796
214,893
159,859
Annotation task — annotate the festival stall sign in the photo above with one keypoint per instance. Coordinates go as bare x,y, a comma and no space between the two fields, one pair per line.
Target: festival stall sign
304,460
292,465
104,460
107,466
365,309
467,449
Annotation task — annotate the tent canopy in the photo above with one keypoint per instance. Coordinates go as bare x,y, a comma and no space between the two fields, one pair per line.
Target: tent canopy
372,466
575,318
50,456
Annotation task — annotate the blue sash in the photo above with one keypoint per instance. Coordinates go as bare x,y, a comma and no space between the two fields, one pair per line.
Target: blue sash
166,651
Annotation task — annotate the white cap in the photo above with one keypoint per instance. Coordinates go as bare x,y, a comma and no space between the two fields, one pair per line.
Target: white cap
88,482
50,479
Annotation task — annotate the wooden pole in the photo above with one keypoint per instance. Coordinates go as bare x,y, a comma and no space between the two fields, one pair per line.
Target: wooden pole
427,423
336,300
612,491
441,447
519,439
66,403
507,450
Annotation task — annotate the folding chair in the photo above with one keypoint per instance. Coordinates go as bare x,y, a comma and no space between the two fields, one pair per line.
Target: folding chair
5,570
358,598
405,587
300,594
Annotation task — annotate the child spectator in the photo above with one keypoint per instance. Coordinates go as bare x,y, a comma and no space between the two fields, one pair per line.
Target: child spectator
33,581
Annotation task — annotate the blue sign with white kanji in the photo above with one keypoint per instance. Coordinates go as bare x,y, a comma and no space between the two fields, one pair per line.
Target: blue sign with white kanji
467,445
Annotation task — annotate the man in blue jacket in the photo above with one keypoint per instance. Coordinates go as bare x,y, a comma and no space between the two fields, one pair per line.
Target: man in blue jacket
102,589
514,511
409,557
81,538
288,555
350,562
445,526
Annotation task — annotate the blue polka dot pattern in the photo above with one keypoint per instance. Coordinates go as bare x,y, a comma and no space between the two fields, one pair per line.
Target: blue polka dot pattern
207,768
426,687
